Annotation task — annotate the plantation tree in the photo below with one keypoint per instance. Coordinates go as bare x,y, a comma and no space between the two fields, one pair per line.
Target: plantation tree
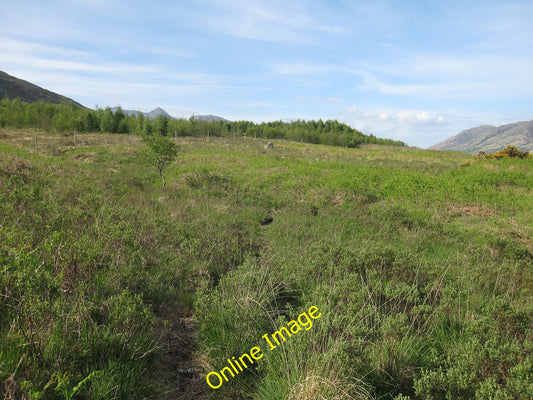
107,123
160,124
159,152
119,121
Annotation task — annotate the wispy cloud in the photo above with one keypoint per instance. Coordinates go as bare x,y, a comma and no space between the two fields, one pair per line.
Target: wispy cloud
19,54
92,78
263,20
441,76
421,127
404,117
9,46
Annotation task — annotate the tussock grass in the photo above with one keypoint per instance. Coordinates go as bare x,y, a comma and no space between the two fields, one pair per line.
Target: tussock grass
422,270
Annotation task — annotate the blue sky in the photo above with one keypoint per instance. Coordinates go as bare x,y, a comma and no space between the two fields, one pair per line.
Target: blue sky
418,71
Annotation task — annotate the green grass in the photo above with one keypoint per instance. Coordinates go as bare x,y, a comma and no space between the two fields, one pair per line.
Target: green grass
422,270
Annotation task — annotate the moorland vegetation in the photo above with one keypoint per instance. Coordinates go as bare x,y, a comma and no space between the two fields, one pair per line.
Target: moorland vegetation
113,286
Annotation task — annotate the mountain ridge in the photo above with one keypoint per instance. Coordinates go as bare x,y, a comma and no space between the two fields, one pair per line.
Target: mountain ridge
208,118
13,88
151,114
490,138
159,111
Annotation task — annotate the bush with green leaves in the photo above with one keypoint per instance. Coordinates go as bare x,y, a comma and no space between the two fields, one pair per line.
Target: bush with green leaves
508,152
159,152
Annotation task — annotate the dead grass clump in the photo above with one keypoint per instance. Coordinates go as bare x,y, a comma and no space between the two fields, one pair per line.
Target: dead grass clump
85,157
15,167
470,211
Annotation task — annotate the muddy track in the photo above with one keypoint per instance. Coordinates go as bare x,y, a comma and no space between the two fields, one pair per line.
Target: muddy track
182,375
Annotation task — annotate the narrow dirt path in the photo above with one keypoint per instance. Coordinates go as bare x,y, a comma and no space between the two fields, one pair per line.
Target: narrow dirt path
181,372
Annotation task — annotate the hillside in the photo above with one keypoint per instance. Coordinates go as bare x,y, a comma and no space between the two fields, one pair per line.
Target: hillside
490,138
208,118
380,272
15,88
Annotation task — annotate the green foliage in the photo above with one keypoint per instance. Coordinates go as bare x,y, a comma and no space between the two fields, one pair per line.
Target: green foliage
159,152
107,122
422,271
65,118
508,152
63,386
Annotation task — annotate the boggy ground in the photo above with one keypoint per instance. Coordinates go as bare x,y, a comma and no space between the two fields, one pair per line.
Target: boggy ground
114,287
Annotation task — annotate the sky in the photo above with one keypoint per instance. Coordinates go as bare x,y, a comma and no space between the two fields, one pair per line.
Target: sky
412,70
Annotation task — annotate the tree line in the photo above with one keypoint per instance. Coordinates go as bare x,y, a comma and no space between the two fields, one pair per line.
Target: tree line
66,118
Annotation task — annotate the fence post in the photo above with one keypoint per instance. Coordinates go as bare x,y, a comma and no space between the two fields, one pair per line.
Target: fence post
36,148
52,148
74,137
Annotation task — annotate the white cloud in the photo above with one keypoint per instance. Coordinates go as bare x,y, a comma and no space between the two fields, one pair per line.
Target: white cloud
18,55
400,117
417,127
9,46
417,117
91,78
351,109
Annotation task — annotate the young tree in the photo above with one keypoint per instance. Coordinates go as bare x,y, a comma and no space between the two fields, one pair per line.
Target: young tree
119,121
160,125
107,123
159,152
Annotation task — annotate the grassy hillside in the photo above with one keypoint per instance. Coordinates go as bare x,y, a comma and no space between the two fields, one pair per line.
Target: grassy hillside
113,287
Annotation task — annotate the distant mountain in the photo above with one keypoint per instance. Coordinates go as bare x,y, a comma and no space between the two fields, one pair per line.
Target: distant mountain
152,114
490,138
208,118
159,111
15,88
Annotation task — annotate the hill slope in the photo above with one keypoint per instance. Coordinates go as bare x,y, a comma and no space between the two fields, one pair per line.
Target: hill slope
15,88
491,138
208,118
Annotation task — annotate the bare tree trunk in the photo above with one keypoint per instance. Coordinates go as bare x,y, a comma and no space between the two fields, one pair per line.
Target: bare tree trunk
162,177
